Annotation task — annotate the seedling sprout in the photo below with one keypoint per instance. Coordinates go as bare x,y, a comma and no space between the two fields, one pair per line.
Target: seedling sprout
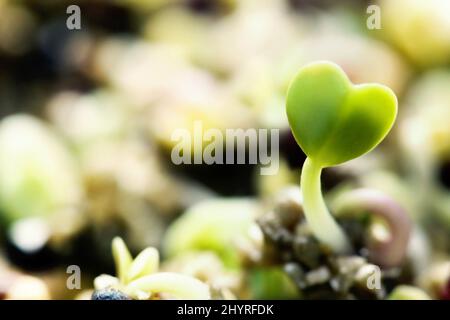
140,278
334,121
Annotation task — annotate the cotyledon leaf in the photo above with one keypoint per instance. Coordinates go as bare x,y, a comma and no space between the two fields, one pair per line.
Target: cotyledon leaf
334,120
122,258
147,262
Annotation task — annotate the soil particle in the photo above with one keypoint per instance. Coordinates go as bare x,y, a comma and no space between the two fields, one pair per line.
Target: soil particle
316,271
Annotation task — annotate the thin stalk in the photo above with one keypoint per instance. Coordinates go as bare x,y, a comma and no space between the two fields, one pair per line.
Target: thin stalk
321,222
387,253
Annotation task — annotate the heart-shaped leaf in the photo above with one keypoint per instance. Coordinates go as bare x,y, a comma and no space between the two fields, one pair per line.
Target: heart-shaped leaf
333,120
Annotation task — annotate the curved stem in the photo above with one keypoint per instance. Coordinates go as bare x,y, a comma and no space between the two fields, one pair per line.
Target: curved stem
321,222
391,252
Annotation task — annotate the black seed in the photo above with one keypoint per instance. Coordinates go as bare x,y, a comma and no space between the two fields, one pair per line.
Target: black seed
109,294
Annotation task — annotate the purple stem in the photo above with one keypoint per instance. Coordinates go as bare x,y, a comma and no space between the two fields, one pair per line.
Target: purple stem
391,252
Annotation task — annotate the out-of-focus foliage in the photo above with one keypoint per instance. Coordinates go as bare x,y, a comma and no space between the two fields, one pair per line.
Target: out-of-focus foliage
39,177
87,117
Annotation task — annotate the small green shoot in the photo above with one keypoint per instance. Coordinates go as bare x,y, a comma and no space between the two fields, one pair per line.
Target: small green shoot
140,279
334,121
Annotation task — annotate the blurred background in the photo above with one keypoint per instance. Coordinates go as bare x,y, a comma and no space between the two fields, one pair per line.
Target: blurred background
86,118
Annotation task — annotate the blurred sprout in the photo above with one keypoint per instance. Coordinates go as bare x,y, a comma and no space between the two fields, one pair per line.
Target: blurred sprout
220,226
207,267
426,129
38,177
420,28
408,293
140,279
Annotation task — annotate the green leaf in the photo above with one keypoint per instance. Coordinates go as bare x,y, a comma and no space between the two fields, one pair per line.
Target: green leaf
122,258
333,120
147,262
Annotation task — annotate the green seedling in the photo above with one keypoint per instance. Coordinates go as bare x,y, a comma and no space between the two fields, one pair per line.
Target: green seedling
141,279
38,175
334,121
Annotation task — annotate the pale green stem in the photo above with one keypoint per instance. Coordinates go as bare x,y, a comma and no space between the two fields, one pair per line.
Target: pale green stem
321,222
178,285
